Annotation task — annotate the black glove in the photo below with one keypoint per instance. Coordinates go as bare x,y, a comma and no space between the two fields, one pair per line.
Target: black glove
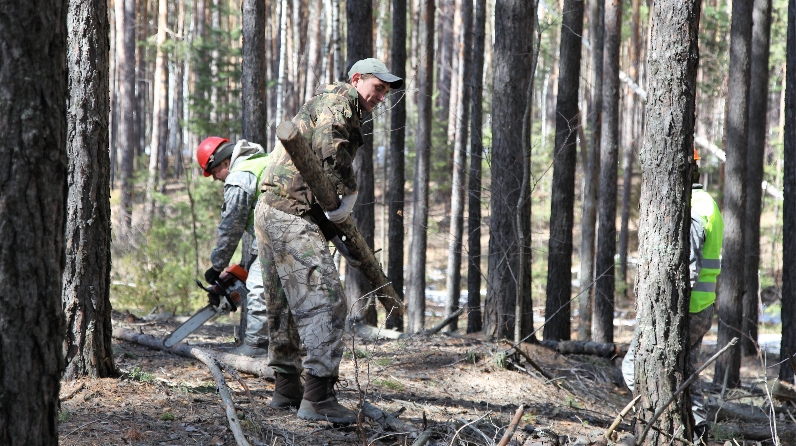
211,276
214,299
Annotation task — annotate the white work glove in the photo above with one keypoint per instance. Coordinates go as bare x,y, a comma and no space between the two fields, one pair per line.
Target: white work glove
346,205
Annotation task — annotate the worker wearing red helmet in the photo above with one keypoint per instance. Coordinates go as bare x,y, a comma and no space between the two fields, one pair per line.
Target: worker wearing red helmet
239,166
706,234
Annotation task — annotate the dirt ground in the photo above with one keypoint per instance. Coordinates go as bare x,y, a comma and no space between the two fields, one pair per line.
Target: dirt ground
458,386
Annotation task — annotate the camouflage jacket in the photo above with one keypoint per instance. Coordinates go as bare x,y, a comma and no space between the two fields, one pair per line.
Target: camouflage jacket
240,189
330,123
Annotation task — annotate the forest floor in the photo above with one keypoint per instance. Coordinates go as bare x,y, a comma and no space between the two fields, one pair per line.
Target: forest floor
441,382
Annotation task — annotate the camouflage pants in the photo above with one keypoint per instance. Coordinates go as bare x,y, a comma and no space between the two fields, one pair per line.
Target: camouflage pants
698,325
312,307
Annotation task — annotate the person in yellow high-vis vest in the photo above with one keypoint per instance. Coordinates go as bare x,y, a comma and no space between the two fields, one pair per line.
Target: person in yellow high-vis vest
707,234
239,166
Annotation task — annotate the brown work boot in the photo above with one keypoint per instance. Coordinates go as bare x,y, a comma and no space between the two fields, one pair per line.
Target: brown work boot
288,391
320,403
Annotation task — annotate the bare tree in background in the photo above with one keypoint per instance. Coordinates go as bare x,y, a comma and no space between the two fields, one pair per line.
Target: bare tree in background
126,62
417,250
474,315
512,57
603,322
562,202
758,104
33,98
395,173
160,112
661,360
458,186
729,300
789,205
591,172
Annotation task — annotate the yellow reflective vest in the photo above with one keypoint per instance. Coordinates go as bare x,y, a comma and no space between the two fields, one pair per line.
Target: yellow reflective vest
705,209
256,165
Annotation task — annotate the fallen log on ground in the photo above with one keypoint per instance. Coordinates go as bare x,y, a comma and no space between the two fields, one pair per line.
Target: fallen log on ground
311,171
606,350
386,420
244,364
754,432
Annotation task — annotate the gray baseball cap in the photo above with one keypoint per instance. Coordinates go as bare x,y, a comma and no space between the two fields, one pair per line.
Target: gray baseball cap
378,69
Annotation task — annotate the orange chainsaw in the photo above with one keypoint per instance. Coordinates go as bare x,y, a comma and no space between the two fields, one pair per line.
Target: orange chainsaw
225,295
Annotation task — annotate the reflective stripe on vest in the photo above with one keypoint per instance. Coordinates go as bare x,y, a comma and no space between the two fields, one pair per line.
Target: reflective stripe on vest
703,293
256,165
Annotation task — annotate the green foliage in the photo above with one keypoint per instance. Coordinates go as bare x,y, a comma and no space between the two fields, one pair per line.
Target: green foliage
359,353
160,267
137,374
389,383
167,416
383,362
219,44
63,416
472,356
500,360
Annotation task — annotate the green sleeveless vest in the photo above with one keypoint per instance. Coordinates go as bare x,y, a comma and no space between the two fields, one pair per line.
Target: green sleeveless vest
703,294
256,165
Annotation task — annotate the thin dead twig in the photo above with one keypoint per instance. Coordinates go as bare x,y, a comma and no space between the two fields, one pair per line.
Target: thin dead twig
512,426
619,418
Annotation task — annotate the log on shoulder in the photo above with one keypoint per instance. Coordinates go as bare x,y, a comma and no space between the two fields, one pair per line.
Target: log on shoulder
309,165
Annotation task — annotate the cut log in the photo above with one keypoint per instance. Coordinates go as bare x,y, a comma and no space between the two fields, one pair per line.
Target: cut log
606,350
311,171
244,364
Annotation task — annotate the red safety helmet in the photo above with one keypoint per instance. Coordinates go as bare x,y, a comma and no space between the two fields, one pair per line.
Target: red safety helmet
206,149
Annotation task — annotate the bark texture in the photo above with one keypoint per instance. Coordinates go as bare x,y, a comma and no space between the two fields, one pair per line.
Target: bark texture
310,168
474,314
789,204
512,59
359,14
253,73
591,171
395,173
603,323
33,96
458,186
562,203
758,104
662,283
160,113
417,249
729,301
86,280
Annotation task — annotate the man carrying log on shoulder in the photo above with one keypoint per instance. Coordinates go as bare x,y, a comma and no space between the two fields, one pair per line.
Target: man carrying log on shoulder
290,227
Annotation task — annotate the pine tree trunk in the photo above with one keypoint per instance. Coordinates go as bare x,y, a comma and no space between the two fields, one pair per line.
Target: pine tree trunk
282,71
591,171
662,283
359,15
603,328
512,72
160,112
114,89
215,59
559,275
416,317
314,51
758,107
395,173
631,144
33,100
86,278
176,140
789,205
458,184
253,71
125,59
474,314
729,302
